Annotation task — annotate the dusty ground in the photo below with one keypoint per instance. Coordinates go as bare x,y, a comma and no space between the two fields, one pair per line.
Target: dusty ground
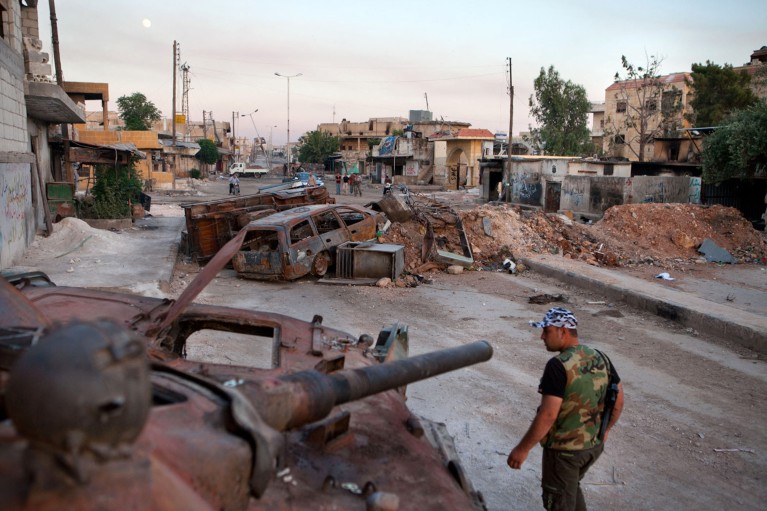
686,394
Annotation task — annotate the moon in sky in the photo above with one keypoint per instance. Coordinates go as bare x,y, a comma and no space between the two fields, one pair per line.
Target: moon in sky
146,23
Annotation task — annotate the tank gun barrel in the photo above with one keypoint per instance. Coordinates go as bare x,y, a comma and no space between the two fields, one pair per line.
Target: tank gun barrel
308,396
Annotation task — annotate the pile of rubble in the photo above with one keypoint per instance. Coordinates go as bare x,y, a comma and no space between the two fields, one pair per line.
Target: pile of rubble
627,235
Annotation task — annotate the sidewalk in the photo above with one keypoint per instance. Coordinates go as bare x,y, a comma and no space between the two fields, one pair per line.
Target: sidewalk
139,259
741,326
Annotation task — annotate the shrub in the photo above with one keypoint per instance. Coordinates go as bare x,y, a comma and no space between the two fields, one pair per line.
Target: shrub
114,192
195,173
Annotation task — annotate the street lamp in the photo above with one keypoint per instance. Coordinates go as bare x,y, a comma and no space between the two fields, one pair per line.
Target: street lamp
271,148
287,144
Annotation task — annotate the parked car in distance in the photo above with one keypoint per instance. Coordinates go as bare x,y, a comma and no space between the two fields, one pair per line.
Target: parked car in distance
293,243
302,177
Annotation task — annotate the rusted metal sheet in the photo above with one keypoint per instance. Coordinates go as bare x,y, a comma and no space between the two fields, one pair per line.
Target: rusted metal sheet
216,436
211,224
294,243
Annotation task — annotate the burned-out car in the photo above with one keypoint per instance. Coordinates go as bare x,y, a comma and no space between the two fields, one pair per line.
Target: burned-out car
303,240
119,413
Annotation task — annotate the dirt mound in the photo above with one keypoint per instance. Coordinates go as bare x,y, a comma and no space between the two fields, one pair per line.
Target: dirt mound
627,235
639,231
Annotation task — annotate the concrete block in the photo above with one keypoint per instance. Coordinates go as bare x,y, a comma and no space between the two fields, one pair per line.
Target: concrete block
38,68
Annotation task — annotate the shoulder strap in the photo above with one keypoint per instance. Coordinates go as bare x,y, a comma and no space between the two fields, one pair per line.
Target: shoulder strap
608,363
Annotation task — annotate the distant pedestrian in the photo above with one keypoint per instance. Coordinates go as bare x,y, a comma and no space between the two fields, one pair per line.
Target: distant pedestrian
345,185
284,170
234,185
338,183
357,185
312,181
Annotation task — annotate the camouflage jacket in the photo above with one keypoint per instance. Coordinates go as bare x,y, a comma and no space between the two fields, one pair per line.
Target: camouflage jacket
577,424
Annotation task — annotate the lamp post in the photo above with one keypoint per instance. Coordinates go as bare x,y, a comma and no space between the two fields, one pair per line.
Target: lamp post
287,144
271,148
254,127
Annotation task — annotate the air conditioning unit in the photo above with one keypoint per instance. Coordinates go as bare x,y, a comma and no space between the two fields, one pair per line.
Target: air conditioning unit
369,260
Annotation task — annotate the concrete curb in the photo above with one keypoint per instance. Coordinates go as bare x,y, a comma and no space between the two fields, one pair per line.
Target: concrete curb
172,258
742,327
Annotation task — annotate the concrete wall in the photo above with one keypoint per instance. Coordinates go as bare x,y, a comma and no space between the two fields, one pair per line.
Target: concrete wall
526,182
17,219
593,195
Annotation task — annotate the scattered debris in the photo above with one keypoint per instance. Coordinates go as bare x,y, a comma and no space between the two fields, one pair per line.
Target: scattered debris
510,266
736,450
455,269
714,253
664,276
487,226
546,298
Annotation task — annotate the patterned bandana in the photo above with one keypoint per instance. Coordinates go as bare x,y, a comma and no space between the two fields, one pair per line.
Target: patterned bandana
557,316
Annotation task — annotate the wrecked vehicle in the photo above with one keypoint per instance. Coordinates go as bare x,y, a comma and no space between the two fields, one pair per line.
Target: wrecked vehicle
322,426
294,243
210,224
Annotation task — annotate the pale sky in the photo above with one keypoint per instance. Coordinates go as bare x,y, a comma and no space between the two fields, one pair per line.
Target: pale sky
364,59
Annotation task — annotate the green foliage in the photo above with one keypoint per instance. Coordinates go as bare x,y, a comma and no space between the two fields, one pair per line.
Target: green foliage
738,149
195,173
137,112
561,110
208,152
372,142
718,91
317,146
398,133
114,192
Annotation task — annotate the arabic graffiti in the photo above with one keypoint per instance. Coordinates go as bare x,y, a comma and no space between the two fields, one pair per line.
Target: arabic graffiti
16,205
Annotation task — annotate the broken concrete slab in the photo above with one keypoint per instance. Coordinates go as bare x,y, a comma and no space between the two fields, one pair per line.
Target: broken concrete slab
714,253
487,226
455,269
395,208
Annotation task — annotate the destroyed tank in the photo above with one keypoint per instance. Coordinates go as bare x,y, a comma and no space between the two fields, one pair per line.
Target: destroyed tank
100,409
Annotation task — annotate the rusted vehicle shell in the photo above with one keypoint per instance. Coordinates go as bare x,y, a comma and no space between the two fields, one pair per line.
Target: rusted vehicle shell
301,241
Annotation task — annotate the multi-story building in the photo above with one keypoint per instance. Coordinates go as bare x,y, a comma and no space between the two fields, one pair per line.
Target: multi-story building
31,103
637,111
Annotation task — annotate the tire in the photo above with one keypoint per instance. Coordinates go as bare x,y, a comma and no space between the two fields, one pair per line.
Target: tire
320,264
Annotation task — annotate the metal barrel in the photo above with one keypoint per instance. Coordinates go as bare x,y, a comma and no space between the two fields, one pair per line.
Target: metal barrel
314,395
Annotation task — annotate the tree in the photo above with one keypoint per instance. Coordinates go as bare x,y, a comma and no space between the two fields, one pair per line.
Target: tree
208,153
137,112
739,148
561,110
638,92
317,145
718,91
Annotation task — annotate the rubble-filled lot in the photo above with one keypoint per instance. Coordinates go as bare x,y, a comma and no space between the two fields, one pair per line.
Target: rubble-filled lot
659,234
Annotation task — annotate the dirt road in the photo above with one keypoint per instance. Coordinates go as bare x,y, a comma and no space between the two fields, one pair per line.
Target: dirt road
691,435
685,395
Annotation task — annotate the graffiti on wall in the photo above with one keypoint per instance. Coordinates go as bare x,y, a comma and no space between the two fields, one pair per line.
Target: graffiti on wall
574,193
526,188
695,184
16,205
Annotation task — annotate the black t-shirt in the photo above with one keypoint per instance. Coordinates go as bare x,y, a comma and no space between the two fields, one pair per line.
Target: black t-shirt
554,379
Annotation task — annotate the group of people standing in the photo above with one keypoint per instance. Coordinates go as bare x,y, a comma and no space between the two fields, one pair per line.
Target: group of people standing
348,183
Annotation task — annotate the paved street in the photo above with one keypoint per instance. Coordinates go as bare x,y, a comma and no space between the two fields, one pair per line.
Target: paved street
687,393
689,433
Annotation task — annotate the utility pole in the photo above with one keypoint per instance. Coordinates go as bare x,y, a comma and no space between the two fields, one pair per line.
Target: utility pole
185,81
68,176
511,127
173,119
234,140
204,125
287,144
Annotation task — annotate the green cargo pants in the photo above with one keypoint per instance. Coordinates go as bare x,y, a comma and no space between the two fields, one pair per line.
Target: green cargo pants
562,474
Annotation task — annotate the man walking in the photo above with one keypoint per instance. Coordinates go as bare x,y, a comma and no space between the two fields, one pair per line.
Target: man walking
574,389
